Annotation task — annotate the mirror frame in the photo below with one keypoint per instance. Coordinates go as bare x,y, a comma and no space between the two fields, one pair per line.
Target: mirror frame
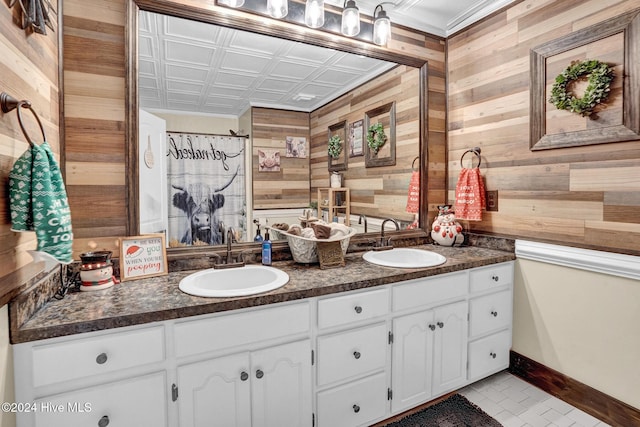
244,21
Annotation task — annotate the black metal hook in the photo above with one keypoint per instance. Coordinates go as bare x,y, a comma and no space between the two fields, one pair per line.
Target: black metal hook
413,164
474,150
9,103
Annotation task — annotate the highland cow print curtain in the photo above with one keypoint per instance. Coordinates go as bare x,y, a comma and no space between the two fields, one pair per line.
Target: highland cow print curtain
206,182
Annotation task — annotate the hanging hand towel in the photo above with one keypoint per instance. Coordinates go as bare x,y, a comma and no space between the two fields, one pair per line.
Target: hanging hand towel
414,192
38,202
470,196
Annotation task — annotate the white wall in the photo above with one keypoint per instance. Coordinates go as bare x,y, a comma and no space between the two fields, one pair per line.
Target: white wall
7,419
583,324
198,123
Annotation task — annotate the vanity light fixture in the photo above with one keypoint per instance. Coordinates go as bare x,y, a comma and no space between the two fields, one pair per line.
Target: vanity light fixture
277,8
381,26
350,19
314,13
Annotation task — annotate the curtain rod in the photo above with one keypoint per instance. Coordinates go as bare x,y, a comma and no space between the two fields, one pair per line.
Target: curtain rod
208,134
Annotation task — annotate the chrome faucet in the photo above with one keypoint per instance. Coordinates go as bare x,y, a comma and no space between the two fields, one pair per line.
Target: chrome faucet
384,244
363,218
230,262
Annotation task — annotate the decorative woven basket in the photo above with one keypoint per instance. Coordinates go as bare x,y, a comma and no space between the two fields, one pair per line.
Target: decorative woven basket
305,250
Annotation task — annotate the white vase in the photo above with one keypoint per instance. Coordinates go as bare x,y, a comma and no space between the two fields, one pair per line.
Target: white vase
336,180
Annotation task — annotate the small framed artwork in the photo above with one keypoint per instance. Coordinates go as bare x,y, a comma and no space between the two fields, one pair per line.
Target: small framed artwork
142,256
380,127
337,146
356,136
268,160
296,147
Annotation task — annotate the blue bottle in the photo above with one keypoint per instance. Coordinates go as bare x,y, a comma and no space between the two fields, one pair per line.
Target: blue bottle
266,249
258,237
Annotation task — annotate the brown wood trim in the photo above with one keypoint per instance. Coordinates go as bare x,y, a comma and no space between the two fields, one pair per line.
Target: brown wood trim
131,113
588,399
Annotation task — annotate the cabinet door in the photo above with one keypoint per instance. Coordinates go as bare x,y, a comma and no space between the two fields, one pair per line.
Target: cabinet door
412,360
281,385
135,402
215,393
450,347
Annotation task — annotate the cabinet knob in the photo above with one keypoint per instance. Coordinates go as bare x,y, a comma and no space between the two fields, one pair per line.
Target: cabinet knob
432,327
495,278
104,421
356,354
101,360
244,376
358,309
440,325
356,408
493,355
494,313
259,374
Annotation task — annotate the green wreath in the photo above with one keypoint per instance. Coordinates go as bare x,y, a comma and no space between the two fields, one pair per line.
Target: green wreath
376,137
597,91
335,146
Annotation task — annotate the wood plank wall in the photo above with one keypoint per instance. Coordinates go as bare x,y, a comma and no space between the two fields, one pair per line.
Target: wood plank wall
585,196
28,70
380,191
94,62
289,187
94,85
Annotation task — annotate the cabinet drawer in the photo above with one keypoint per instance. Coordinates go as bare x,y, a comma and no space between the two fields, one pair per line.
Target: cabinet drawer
131,403
422,292
347,354
104,353
489,355
491,277
354,404
489,313
350,308
231,330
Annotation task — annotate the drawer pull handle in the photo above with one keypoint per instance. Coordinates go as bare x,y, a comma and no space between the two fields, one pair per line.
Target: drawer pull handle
358,309
356,354
104,421
259,374
244,376
494,313
495,278
432,327
356,408
101,360
493,355
440,325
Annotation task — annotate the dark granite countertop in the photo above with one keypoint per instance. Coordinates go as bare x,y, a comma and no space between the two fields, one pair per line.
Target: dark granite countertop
159,298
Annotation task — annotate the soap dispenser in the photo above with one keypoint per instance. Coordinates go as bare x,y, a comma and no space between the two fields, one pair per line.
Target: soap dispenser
266,249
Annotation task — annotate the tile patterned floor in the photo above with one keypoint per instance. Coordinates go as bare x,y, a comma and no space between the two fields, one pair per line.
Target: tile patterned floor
516,403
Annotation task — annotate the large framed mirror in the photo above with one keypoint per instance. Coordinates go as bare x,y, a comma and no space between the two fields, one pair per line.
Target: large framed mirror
232,20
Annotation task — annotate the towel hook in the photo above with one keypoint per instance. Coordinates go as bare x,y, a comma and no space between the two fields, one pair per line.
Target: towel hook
474,150
9,103
413,164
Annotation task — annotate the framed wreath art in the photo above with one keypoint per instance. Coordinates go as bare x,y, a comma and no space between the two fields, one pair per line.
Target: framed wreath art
376,137
598,87
380,126
335,146
337,155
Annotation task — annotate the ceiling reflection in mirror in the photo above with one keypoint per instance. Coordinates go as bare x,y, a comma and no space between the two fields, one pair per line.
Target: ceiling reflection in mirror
202,80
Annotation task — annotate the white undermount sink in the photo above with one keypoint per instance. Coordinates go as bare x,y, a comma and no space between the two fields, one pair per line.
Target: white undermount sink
404,258
233,282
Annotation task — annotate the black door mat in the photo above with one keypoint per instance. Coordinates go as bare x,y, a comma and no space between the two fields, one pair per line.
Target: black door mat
455,411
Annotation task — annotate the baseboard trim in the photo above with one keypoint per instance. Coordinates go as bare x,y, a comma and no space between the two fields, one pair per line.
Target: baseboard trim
600,405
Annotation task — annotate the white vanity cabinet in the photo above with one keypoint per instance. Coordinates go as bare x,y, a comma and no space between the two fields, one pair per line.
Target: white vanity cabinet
264,388
235,370
429,353
114,377
490,319
352,358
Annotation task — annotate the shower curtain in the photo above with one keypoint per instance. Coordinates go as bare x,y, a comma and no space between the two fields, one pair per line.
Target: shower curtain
206,184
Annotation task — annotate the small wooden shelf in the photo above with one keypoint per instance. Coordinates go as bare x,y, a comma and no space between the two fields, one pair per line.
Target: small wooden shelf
339,203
